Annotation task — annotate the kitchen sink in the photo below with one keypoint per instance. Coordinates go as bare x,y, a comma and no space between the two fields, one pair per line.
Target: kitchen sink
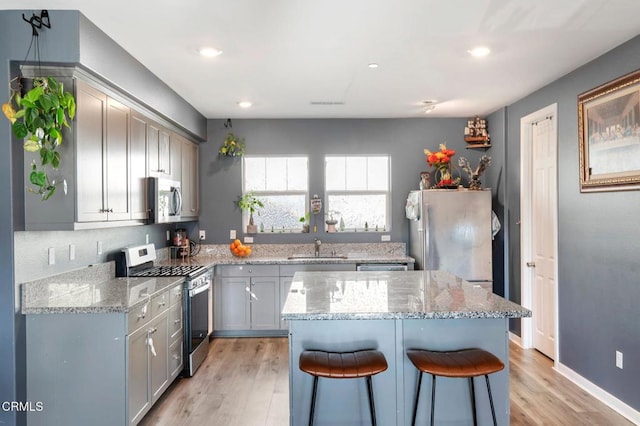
310,256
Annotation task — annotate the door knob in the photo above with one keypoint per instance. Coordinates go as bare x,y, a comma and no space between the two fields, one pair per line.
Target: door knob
531,264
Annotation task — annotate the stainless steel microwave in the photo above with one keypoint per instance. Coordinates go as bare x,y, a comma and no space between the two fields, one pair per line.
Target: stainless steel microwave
165,200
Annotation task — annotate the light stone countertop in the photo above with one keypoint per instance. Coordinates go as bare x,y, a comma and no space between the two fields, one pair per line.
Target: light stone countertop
95,290
91,290
393,295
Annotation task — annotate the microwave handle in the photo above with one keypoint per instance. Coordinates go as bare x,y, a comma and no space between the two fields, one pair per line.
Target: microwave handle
178,196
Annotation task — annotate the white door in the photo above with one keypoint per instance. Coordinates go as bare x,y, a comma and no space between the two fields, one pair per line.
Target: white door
543,233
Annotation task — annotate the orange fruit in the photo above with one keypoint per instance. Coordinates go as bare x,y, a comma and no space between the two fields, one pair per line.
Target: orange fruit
237,242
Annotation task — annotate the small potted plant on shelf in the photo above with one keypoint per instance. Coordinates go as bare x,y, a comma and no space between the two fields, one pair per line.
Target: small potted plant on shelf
250,203
305,222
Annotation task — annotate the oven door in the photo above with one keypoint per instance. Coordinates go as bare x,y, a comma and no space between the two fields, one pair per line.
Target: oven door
197,317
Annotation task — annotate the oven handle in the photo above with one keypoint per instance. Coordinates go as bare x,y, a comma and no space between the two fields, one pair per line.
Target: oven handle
199,290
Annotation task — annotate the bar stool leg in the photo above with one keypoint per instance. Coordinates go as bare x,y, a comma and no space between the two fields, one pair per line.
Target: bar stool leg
415,406
433,397
473,401
372,406
493,410
313,400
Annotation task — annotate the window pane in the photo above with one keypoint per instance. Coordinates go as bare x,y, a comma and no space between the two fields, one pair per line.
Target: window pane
281,211
335,177
276,174
298,171
254,174
378,174
356,210
356,170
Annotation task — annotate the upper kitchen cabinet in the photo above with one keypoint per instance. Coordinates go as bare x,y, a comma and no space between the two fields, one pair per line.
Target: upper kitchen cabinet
158,150
102,144
190,198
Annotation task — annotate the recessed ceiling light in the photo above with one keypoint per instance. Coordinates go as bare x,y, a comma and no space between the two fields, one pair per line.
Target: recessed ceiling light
244,104
209,52
373,65
480,51
430,101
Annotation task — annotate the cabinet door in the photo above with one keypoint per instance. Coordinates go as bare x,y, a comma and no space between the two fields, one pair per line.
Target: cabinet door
265,297
116,160
138,377
285,286
164,153
190,198
159,365
175,157
138,166
232,306
91,108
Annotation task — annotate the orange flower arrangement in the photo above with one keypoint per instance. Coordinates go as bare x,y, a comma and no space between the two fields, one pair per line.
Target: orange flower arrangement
441,161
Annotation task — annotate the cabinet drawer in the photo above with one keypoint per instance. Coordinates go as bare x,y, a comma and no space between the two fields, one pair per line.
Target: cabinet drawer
139,316
175,322
176,294
248,270
175,359
160,303
289,270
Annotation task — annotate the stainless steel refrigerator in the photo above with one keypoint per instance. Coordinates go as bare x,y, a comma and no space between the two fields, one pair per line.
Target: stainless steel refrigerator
451,231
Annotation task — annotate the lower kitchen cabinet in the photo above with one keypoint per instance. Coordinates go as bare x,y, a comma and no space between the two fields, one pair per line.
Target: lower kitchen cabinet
103,368
246,299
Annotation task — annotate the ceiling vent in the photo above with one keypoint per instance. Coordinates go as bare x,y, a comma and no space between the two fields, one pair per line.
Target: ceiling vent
326,103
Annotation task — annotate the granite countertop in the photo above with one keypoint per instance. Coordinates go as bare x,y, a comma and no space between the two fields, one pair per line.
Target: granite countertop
95,290
393,295
91,290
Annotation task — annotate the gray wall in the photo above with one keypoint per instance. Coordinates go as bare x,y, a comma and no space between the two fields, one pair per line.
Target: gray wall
598,239
71,40
403,139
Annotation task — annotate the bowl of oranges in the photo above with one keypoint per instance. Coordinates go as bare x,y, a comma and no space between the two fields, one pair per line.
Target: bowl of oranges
239,249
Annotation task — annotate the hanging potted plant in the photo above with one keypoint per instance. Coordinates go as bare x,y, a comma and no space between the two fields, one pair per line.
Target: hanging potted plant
38,118
251,203
233,146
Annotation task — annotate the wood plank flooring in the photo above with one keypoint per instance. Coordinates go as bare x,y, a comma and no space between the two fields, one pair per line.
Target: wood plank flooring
244,382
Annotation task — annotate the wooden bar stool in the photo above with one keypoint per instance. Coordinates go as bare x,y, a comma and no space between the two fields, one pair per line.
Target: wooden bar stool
343,365
465,363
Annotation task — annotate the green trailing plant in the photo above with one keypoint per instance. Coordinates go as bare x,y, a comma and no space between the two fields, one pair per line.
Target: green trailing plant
233,146
38,118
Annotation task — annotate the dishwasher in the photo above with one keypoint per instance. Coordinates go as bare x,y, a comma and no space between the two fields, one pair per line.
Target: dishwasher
381,267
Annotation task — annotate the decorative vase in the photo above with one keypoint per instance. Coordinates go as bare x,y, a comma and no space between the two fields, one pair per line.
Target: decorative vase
443,178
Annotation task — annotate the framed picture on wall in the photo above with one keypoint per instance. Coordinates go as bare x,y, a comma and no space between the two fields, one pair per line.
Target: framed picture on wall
609,135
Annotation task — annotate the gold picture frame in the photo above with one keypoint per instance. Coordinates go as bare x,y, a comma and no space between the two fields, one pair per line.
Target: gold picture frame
609,135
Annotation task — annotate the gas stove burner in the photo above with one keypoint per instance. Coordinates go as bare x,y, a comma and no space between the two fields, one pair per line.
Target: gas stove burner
170,271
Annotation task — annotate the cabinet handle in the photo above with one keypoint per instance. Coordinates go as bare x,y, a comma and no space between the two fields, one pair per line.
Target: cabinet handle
176,357
143,313
152,330
177,321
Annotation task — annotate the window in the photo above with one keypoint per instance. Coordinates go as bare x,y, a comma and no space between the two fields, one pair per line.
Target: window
281,183
357,192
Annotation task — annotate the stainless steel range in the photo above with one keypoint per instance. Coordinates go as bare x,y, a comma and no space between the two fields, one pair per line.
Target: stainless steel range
138,261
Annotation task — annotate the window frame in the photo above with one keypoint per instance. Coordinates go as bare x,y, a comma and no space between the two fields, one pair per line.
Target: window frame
347,192
267,193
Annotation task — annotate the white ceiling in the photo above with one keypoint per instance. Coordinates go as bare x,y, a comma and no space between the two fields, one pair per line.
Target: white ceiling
285,54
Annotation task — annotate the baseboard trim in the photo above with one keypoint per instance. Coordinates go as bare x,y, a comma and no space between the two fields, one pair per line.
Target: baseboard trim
605,397
515,339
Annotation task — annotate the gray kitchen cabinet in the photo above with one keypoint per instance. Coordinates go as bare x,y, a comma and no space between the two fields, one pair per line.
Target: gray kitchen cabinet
138,166
159,355
138,376
158,152
285,286
190,193
175,157
246,298
102,149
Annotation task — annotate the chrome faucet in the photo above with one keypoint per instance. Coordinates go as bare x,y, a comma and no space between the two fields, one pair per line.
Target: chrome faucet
317,247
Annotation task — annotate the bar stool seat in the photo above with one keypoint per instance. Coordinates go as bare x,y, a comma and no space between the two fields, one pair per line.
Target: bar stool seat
464,363
343,365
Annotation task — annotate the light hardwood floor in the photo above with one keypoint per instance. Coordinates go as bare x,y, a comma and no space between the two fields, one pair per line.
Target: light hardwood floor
244,382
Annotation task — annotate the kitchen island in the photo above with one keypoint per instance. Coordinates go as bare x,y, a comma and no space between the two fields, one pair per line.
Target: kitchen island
393,312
